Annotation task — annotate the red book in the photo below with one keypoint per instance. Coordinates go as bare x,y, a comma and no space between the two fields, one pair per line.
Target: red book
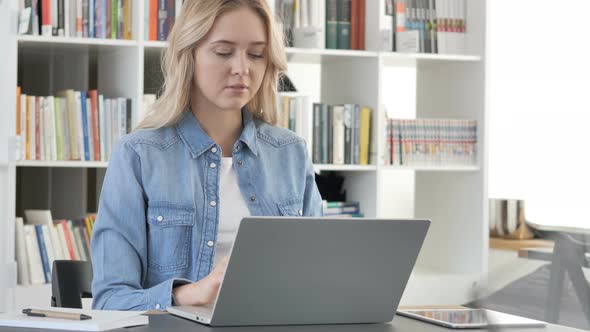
69,239
153,20
93,95
354,24
46,17
362,13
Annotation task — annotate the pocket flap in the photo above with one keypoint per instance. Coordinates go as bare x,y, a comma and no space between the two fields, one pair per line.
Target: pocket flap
165,214
291,207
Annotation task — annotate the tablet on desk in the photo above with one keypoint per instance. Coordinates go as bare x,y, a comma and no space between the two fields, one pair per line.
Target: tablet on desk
470,318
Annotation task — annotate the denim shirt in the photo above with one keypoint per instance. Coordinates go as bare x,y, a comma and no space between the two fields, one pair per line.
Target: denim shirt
158,213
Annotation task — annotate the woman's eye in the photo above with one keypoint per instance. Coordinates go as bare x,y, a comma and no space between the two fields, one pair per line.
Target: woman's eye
223,54
257,56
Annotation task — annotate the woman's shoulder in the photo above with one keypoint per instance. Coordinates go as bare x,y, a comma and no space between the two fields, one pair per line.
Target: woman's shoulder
159,137
277,136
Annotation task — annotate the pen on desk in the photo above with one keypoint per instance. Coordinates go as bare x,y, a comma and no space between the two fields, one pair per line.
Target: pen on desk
55,314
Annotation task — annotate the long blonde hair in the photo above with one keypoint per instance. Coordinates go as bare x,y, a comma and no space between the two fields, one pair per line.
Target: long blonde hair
178,67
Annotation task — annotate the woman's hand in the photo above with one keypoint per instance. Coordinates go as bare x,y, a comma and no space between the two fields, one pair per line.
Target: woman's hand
203,291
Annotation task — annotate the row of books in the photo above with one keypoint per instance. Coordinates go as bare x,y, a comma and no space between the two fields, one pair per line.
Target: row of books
41,240
334,24
291,111
159,19
425,26
345,24
431,142
106,19
74,125
341,134
341,209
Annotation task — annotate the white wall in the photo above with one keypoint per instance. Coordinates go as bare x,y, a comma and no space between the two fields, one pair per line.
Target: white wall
539,69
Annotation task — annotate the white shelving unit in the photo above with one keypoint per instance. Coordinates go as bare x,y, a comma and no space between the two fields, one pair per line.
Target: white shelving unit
441,86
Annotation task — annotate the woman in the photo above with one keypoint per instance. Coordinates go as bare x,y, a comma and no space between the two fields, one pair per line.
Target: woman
206,155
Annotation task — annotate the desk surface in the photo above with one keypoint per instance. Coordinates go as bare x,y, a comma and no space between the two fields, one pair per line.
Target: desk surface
399,324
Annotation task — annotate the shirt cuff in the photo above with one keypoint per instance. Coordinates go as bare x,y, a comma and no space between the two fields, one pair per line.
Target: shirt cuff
160,296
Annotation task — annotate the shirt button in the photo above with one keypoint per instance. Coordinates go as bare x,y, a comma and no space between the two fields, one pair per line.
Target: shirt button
212,165
253,199
157,306
160,218
214,149
300,212
210,243
240,162
213,203
238,147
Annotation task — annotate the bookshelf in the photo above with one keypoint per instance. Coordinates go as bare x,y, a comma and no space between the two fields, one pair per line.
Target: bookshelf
438,86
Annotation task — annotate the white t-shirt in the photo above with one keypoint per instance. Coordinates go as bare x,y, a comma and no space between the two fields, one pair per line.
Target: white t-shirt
232,208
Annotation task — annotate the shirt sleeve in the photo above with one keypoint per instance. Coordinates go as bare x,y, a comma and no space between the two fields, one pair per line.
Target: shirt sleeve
119,240
312,200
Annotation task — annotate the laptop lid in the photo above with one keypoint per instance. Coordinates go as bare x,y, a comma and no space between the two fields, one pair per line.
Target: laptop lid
286,271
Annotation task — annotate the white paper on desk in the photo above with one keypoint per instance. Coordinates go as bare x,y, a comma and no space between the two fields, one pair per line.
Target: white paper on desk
102,320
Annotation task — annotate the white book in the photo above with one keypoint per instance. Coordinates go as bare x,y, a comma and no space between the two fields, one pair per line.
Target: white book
108,128
101,320
90,127
21,253
32,128
101,129
114,122
41,122
54,16
65,128
79,125
122,116
51,127
148,102
79,244
338,134
177,8
23,126
304,9
56,241
79,31
36,274
48,246
67,17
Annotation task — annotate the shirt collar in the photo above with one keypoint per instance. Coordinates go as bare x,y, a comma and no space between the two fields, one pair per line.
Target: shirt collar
197,140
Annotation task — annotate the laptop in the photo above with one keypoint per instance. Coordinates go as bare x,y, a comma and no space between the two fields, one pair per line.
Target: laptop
306,270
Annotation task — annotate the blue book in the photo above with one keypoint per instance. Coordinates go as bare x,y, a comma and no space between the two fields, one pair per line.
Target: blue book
162,20
85,125
43,252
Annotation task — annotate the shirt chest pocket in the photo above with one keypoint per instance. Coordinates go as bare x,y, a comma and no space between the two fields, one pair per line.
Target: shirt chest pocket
170,229
291,207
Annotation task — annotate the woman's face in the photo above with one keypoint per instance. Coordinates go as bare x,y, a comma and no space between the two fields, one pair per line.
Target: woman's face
231,60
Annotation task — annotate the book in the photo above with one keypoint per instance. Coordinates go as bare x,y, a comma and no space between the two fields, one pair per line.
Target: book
101,320
23,277
332,24
343,25
35,266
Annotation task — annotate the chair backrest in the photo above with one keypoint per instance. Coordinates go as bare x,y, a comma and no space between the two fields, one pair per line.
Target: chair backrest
71,281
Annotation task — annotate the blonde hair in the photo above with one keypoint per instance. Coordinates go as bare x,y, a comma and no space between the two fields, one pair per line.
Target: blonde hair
192,25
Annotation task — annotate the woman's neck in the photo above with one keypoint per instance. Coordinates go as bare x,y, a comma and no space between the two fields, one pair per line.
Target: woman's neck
223,126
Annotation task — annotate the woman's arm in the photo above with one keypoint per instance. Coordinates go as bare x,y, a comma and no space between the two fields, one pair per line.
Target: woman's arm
312,200
119,240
